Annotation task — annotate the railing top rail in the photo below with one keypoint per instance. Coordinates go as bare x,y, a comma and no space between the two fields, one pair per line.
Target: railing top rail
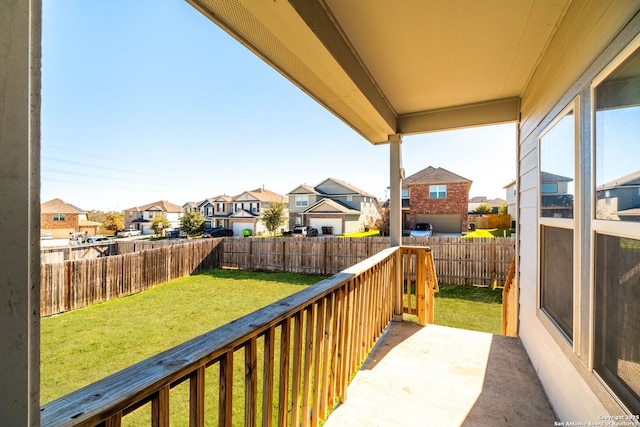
120,390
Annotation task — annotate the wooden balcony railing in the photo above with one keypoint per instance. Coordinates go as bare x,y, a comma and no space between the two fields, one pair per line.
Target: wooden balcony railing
285,364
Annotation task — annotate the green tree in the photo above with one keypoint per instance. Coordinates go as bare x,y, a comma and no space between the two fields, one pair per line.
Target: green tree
97,216
503,209
273,217
484,208
192,223
159,224
113,221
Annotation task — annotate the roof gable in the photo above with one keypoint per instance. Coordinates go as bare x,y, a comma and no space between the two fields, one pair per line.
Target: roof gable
59,206
330,206
431,175
161,205
303,189
262,195
335,187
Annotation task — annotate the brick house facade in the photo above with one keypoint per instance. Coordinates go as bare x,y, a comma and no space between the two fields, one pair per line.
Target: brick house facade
439,197
60,218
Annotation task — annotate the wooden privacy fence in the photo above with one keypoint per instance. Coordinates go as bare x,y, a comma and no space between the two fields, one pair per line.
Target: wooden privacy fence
324,256
75,284
458,261
286,364
71,252
481,261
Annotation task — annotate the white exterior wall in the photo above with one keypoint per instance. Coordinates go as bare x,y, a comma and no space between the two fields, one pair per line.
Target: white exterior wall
565,373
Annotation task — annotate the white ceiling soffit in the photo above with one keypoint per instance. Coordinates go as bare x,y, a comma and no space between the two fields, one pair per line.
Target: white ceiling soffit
402,66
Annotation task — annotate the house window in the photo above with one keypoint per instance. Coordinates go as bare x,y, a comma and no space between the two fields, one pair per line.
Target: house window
616,251
302,201
220,207
209,210
438,191
556,290
58,217
405,193
557,167
349,198
617,343
617,152
549,188
298,220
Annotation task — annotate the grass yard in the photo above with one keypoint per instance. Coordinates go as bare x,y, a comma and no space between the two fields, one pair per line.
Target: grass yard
469,307
82,346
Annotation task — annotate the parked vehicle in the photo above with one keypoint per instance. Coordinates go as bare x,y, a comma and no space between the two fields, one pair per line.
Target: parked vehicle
128,232
217,232
305,231
422,230
175,233
96,239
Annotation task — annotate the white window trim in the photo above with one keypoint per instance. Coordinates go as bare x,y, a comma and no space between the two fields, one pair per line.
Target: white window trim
567,223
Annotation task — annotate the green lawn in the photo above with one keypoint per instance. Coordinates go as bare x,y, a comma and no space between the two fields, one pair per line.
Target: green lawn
469,307
82,346
492,232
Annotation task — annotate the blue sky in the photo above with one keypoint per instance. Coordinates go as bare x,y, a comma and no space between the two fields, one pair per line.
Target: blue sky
147,100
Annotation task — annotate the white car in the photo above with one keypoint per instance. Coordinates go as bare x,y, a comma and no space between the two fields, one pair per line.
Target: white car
422,230
128,232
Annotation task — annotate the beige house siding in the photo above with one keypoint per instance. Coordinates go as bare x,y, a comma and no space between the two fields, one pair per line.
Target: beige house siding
564,75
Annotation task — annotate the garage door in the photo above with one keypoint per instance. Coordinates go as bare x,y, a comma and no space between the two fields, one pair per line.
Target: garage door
239,226
442,223
318,223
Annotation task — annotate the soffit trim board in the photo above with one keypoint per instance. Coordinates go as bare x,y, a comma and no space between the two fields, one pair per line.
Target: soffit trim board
484,113
317,15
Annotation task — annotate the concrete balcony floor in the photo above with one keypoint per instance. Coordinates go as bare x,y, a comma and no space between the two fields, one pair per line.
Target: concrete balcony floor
440,376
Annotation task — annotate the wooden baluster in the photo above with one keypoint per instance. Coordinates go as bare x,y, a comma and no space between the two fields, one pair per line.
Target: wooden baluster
267,384
196,398
250,382
283,390
160,408
225,398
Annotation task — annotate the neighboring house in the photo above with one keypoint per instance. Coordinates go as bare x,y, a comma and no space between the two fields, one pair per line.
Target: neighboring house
333,206
556,195
511,192
436,196
141,217
190,207
247,209
495,204
619,199
216,211
60,219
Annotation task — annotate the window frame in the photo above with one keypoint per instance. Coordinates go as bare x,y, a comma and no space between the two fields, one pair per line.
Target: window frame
438,192
302,201
620,229
565,223
59,217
